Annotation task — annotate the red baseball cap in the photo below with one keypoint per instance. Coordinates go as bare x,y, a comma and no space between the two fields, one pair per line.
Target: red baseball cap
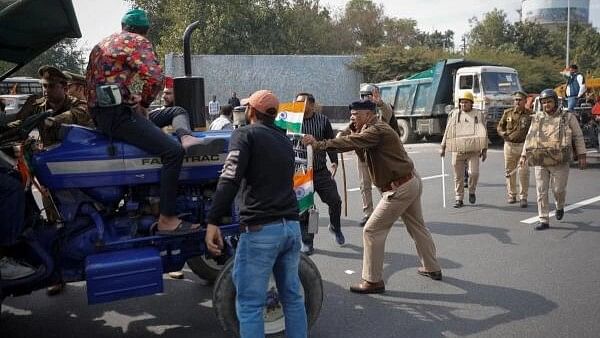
262,100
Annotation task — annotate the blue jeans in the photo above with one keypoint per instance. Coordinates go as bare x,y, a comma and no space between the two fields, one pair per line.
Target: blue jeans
274,249
571,103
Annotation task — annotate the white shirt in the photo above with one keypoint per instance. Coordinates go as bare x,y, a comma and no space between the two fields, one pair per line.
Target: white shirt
213,107
221,123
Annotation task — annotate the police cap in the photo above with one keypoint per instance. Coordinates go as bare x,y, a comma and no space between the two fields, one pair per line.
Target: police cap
52,74
74,77
520,94
363,105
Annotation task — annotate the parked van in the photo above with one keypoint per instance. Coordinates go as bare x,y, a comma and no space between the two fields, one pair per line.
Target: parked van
422,102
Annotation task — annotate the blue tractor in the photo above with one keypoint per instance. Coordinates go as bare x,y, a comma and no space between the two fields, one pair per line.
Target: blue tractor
100,200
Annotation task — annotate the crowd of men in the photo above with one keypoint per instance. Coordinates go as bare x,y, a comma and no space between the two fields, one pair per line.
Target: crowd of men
273,233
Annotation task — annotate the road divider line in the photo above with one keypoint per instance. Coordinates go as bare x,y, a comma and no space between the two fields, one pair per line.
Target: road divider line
423,179
577,205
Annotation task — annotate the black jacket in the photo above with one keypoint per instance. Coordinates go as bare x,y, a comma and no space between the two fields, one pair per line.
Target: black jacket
261,161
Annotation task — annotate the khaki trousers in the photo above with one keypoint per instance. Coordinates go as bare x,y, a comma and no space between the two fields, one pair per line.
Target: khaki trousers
458,163
557,176
404,202
512,154
365,188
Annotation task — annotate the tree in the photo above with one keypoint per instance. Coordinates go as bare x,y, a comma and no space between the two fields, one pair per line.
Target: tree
65,55
493,31
531,38
364,20
400,32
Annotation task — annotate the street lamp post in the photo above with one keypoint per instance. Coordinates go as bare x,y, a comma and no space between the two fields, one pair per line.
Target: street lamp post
568,30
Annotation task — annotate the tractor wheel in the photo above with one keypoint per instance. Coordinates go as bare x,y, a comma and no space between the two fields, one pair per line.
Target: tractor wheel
207,267
224,299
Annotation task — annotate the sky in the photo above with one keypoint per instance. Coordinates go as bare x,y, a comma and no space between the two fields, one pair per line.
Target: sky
98,19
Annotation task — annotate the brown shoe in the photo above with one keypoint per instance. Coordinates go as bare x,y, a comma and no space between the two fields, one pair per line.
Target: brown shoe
511,200
435,275
176,274
55,289
367,287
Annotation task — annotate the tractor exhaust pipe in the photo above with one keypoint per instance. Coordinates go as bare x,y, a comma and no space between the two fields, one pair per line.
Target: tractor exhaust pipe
189,90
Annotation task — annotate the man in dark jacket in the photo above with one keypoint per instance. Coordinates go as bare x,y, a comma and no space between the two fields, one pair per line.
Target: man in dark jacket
261,161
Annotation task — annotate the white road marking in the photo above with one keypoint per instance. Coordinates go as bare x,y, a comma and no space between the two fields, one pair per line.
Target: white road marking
567,208
350,272
423,178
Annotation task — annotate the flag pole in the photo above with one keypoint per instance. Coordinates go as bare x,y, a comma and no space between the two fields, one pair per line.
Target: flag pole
443,183
345,188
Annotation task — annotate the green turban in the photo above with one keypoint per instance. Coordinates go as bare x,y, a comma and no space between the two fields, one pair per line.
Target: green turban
136,18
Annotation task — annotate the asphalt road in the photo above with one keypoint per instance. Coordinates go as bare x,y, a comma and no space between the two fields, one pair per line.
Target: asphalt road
501,278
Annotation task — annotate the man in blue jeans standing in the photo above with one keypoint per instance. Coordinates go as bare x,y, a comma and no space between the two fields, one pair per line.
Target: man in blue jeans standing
261,160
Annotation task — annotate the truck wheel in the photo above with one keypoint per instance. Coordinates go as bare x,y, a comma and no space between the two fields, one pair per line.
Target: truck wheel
407,135
206,267
224,299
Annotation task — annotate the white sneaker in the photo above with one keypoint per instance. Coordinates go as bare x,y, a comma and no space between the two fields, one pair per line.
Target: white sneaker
11,269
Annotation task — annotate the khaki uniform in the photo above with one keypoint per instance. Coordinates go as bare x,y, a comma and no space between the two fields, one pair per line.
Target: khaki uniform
388,162
459,158
513,127
73,111
542,129
386,114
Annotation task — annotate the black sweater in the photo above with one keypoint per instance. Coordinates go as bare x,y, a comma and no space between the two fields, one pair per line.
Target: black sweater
261,161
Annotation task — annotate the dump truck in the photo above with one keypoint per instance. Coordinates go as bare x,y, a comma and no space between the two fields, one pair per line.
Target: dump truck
422,102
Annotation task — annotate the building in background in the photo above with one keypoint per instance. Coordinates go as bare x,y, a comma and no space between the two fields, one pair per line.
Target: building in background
554,12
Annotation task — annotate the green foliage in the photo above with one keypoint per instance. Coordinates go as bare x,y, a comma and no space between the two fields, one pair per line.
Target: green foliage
64,55
396,62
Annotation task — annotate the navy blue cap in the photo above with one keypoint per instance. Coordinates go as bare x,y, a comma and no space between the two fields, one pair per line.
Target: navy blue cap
363,105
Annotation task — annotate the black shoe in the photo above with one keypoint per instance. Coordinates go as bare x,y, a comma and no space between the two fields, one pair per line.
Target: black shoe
458,204
338,236
363,221
560,213
472,198
542,226
523,203
435,275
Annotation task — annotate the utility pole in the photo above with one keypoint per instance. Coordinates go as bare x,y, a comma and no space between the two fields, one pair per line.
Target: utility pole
464,45
568,31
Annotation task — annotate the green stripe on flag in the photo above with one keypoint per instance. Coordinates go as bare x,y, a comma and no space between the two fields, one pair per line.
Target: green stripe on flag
289,126
306,202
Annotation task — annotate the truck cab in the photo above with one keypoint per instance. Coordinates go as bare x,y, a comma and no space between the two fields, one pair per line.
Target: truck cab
492,87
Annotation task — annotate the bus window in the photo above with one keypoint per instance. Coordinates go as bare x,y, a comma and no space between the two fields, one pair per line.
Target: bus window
403,98
466,82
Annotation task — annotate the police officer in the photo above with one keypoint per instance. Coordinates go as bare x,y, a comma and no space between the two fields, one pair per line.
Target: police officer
394,174
75,85
466,118
65,108
513,127
371,93
548,147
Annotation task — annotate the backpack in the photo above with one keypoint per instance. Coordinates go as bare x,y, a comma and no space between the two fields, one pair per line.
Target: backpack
546,144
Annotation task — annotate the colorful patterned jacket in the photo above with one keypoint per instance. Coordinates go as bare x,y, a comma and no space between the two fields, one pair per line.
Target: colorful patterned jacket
120,59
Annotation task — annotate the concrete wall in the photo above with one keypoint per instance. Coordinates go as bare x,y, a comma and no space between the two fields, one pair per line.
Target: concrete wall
329,78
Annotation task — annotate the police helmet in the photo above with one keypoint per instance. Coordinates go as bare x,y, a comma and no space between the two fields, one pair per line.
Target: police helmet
367,89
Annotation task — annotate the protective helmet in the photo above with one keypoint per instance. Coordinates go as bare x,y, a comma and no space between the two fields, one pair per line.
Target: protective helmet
367,89
466,96
548,93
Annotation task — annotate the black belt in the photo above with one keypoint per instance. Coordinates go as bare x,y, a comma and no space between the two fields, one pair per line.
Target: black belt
397,182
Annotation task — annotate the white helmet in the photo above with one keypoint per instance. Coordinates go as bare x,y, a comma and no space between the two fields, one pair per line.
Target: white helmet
367,89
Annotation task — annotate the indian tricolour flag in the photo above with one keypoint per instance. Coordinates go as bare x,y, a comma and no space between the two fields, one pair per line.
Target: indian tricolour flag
290,116
303,186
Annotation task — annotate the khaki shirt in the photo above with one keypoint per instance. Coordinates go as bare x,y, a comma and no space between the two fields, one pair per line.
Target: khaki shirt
385,114
73,111
514,124
384,153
